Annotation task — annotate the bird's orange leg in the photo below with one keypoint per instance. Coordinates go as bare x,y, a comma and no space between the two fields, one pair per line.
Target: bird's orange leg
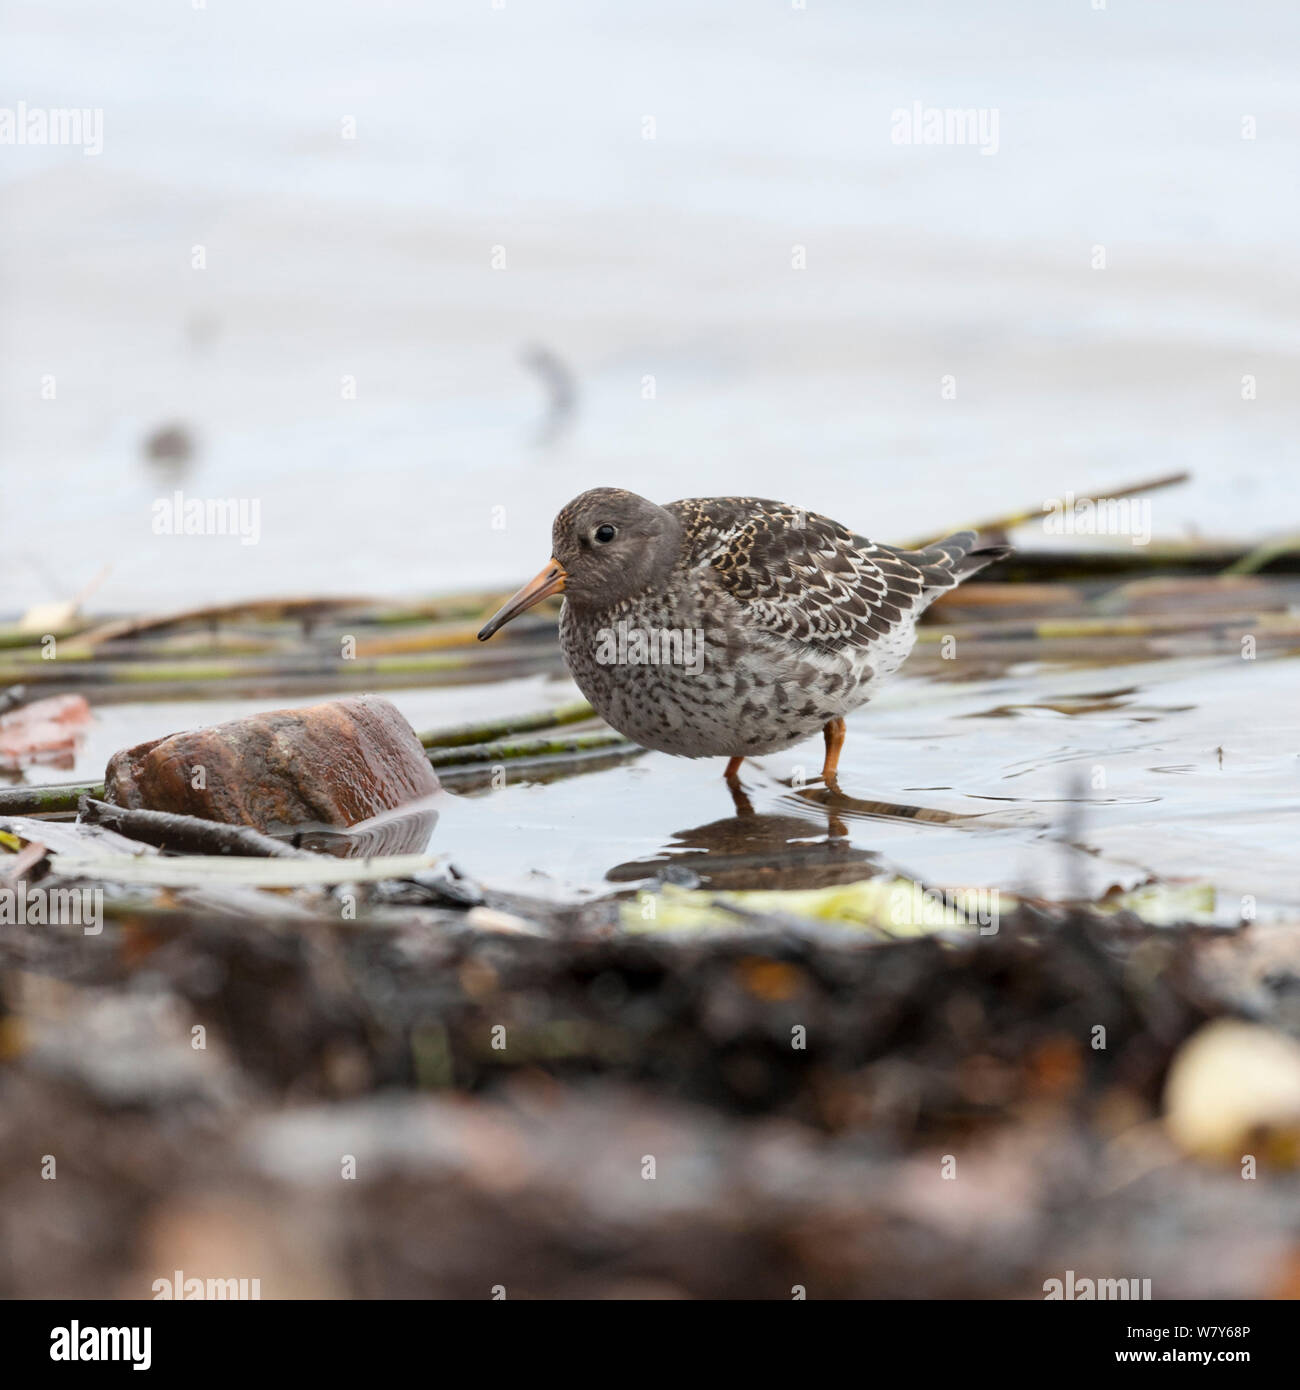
834,733
733,769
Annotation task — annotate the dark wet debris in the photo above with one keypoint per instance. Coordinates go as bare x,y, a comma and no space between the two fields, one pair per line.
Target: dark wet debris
502,1099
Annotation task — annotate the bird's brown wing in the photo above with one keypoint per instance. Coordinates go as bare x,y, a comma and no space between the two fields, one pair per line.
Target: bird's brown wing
806,578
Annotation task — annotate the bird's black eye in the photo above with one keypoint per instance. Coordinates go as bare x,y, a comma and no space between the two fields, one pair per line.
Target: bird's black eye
605,534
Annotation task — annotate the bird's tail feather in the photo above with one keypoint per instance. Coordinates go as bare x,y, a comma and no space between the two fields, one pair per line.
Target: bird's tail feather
946,563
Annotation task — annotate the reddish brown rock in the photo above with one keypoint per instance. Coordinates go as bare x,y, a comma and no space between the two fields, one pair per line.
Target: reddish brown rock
327,765
46,731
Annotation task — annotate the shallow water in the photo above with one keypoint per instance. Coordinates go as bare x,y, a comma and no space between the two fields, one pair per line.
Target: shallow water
1048,781
1034,800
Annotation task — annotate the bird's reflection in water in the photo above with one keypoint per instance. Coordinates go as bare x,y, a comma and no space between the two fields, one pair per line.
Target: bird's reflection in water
838,806
758,850
406,831
806,847
843,808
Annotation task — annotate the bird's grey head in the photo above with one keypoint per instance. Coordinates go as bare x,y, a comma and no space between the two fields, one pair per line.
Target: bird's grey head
613,544
606,545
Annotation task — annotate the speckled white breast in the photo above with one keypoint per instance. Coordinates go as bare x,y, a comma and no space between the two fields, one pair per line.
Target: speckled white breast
746,693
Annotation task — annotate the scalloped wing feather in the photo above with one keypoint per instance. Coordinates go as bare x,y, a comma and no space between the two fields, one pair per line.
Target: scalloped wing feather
805,578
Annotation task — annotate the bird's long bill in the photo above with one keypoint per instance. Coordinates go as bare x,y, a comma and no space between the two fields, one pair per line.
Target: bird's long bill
549,581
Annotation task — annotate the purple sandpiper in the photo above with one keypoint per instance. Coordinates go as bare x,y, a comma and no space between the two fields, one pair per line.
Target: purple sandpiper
733,626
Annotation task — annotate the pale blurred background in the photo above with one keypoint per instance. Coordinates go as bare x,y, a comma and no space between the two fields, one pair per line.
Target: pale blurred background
522,127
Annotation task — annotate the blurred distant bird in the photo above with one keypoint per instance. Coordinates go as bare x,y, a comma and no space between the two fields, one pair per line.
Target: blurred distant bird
169,445
733,626
561,388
